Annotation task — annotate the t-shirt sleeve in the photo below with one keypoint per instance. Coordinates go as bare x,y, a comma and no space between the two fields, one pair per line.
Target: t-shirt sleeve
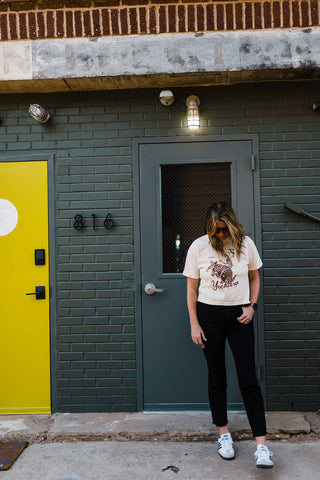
255,261
191,267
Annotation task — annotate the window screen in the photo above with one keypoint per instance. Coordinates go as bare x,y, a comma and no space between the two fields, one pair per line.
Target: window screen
186,192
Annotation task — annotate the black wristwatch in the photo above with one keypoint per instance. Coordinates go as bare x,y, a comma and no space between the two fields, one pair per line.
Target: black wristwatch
254,305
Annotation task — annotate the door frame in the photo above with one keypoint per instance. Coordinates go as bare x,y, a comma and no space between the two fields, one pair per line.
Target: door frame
259,331
50,159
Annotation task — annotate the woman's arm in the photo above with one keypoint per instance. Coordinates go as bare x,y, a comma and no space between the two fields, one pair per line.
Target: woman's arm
197,333
254,285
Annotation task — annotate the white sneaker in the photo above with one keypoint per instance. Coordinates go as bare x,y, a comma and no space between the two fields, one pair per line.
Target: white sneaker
263,457
225,448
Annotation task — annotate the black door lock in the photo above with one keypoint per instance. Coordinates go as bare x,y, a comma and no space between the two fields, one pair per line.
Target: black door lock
40,293
39,256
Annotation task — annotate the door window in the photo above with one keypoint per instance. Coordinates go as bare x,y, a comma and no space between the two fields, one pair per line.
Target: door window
187,190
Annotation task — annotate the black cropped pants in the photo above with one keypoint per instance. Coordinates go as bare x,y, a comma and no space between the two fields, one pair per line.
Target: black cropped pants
220,323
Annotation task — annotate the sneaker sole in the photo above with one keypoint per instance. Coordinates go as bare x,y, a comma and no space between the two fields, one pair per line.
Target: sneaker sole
264,466
227,458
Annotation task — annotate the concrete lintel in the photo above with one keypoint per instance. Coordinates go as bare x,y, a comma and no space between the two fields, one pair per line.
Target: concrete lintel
137,61
155,81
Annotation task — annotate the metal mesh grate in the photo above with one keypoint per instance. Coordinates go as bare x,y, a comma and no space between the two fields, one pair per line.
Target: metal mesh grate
9,452
187,191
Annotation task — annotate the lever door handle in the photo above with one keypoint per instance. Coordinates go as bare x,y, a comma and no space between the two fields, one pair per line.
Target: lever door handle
151,289
40,293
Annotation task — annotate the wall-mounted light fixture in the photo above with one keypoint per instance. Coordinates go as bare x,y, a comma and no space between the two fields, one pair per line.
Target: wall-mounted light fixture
193,118
39,113
166,97
316,106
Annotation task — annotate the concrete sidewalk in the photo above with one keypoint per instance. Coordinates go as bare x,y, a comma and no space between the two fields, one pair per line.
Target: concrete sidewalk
162,461
180,427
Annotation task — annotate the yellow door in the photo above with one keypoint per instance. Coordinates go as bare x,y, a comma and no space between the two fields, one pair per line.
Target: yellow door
24,319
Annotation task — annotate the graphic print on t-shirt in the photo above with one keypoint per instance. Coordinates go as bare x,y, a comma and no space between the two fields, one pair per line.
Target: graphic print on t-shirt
223,271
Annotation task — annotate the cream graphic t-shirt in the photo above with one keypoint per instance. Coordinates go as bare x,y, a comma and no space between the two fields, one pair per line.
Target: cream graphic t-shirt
223,280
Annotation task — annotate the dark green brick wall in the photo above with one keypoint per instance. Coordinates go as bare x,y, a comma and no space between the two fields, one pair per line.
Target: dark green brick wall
91,135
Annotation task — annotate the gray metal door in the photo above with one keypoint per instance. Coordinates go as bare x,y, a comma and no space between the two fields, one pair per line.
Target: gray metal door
177,181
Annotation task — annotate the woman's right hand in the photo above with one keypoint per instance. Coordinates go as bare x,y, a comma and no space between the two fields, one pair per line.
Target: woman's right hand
197,335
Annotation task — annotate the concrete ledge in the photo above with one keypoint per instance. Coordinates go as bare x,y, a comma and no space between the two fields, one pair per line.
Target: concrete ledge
122,82
135,426
29,428
179,427
169,427
314,420
137,61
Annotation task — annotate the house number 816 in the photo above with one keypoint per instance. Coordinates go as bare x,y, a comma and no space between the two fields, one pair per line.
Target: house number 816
79,222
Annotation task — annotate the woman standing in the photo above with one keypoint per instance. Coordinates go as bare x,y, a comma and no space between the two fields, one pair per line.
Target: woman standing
227,263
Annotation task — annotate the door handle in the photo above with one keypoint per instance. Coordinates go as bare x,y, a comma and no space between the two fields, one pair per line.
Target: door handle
151,289
40,293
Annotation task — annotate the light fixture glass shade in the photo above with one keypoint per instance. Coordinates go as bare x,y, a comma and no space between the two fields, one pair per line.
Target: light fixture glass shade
39,113
193,117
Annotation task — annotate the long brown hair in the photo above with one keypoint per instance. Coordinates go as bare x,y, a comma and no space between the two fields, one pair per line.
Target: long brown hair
222,211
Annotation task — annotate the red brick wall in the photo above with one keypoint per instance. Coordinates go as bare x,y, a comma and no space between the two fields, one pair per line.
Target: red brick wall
17,22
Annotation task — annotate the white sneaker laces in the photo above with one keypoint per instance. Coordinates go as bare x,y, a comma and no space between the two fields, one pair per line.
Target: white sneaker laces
263,454
225,441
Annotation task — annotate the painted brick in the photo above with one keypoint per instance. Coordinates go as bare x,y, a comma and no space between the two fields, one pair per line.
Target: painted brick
99,326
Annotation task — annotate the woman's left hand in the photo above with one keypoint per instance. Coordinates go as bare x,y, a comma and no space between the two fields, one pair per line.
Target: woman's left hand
247,315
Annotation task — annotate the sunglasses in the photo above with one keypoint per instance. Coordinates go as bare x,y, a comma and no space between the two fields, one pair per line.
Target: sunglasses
223,230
